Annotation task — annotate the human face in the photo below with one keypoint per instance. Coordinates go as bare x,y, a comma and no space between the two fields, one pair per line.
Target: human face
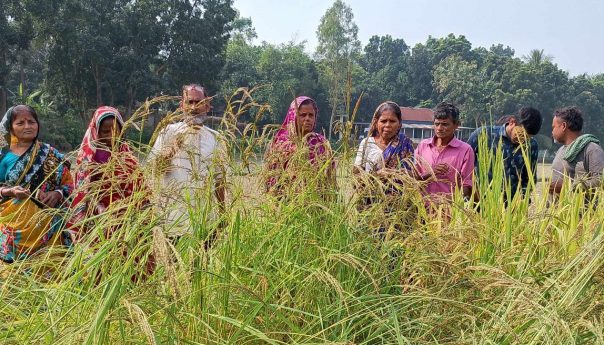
388,125
305,121
445,128
108,130
558,130
516,132
192,102
25,126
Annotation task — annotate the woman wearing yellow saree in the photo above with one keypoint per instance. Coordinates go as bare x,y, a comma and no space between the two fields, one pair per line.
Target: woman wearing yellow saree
34,182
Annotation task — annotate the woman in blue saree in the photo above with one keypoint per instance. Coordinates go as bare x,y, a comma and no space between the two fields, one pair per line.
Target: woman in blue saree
383,169
34,183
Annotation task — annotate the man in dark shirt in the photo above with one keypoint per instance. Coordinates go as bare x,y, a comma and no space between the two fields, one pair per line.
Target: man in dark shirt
518,129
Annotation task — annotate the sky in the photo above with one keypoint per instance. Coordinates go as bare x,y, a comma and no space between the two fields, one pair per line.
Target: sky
571,32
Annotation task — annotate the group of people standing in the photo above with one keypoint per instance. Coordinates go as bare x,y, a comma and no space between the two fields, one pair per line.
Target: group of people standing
188,160
447,165
47,202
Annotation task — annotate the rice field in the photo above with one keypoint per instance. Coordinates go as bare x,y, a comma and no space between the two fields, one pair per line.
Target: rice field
309,269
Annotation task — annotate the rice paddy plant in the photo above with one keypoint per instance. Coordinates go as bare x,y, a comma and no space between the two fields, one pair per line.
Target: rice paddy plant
311,267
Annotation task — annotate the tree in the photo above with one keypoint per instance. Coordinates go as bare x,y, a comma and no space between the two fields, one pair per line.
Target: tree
197,35
243,28
588,93
425,56
120,51
239,69
536,57
283,72
16,33
6,41
385,61
287,72
338,50
493,60
542,85
420,73
463,83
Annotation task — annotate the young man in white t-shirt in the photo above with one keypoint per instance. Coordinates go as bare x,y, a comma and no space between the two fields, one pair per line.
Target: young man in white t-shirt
187,156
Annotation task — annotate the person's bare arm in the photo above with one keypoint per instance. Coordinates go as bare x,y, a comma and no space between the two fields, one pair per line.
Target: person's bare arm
15,192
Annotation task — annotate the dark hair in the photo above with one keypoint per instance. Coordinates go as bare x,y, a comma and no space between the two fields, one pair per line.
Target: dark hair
388,105
572,116
19,108
505,119
7,122
105,118
445,110
529,118
309,101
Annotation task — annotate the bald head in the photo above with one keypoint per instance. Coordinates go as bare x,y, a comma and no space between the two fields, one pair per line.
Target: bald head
193,97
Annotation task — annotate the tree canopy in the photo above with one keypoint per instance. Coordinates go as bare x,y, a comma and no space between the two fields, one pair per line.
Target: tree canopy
71,56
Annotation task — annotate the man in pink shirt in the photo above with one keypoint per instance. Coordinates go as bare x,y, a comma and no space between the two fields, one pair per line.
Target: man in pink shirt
443,160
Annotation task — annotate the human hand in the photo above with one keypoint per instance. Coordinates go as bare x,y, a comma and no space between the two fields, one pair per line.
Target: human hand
19,192
51,198
441,169
100,208
383,173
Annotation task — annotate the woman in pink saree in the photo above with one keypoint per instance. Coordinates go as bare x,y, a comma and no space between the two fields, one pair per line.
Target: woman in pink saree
297,155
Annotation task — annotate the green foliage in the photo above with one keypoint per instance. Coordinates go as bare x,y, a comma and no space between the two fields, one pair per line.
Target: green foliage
385,62
337,53
16,34
463,83
425,56
281,72
64,131
196,35
117,52
81,54
242,28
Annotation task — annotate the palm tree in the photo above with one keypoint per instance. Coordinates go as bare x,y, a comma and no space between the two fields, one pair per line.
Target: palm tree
537,57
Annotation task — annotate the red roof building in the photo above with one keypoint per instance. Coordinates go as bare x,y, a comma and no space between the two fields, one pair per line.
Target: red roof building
417,115
417,125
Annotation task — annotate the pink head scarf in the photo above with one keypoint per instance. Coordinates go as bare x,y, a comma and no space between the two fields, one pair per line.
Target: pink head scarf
88,148
90,155
284,142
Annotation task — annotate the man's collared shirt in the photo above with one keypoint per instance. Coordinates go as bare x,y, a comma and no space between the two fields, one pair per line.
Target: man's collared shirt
198,157
515,169
457,154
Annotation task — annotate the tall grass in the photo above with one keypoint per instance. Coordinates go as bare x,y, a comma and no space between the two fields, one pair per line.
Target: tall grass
307,269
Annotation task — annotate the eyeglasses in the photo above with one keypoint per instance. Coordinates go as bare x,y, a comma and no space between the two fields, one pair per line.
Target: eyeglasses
193,101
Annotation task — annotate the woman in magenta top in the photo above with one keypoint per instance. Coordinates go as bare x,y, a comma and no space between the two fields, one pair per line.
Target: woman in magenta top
297,137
